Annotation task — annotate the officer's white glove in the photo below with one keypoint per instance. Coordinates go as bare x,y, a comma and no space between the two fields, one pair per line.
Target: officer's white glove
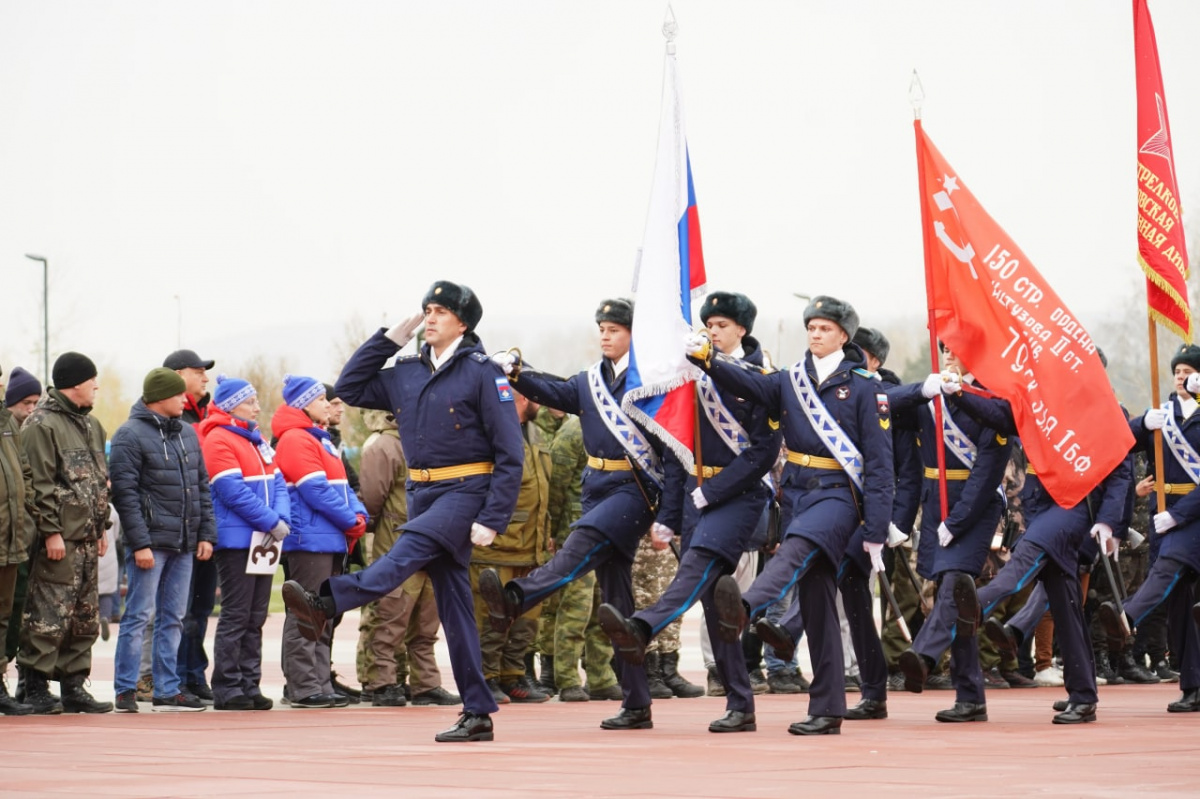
944,535
1155,419
1104,537
661,533
943,383
403,332
1163,522
1193,383
698,498
896,536
506,361
280,530
697,345
876,553
482,536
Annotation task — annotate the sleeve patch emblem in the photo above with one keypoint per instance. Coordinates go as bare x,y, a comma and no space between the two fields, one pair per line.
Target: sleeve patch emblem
504,389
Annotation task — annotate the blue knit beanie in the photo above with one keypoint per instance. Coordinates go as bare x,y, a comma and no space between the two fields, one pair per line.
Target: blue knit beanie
21,384
299,392
232,392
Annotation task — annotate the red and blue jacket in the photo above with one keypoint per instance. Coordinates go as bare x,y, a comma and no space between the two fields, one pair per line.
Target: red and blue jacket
323,506
249,494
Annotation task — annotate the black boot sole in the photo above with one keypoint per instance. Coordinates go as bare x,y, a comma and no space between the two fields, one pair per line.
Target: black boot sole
492,592
774,636
731,611
628,643
966,601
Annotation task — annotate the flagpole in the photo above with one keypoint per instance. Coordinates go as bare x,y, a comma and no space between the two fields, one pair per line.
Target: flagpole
1159,488
916,94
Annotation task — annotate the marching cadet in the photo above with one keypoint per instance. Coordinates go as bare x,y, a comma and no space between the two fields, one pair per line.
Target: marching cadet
1172,576
460,433
1050,552
738,445
836,423
621,489
952,550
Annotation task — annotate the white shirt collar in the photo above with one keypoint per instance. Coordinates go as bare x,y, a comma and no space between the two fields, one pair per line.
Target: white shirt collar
1187,407
826,366
620,365
438,360
740,352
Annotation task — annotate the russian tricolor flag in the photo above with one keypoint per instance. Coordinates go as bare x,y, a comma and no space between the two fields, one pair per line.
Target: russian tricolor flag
670,273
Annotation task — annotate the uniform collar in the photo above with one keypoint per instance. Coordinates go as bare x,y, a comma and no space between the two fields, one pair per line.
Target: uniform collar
827,365
619,366
447,354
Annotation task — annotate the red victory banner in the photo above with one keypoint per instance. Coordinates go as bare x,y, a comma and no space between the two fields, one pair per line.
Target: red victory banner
994,310
1161,249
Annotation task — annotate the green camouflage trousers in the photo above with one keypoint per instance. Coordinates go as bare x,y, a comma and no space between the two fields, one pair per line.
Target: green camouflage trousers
504,653
575,634
61,620
653,571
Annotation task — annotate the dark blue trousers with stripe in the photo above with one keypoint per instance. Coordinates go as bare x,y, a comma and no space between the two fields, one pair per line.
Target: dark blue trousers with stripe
1172,582
585,550
1064,596
1025,620
698,572
939,633
802,563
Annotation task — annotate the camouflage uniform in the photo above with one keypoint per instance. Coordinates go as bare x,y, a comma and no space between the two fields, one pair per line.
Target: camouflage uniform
397,633
61,622
515,553
16,521
573,631
653,571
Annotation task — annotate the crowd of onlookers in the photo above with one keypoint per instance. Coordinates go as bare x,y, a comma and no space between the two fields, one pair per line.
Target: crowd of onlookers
191,500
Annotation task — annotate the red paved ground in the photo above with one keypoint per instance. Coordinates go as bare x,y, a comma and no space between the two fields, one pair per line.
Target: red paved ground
557,749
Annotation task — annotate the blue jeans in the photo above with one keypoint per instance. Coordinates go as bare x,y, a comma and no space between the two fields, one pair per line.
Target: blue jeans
161,592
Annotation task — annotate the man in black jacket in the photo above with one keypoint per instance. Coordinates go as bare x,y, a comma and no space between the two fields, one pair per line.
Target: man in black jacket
160,489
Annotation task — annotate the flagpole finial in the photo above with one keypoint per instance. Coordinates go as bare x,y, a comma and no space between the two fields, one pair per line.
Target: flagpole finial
916,94
670,29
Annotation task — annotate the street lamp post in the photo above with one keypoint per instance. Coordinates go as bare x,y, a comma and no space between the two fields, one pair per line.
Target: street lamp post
45,314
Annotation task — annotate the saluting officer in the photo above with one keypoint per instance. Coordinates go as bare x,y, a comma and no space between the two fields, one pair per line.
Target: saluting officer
460,432
836,423
738,446
952,550
620,497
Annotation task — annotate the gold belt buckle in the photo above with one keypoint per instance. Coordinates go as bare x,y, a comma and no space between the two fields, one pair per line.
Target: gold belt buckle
805,458
424,473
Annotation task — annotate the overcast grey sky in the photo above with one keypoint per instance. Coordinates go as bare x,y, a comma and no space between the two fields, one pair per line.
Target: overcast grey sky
281,166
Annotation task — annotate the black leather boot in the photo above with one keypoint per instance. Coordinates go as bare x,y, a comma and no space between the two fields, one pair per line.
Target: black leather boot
654,677
10,706
76,699
547,679
37,694
676,681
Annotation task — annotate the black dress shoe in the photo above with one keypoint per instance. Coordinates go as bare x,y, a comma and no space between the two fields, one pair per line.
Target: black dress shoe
309,609
967,603
868,709
469,727
1188,703
963,711
777,638
628,638
1061,705
316,700
629,719
1003,636
503,607
436,696
1076,714
915,671
734,721
731,610
817,725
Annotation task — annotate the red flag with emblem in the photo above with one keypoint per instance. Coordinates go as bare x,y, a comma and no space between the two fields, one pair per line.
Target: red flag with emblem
1162,251
1000,316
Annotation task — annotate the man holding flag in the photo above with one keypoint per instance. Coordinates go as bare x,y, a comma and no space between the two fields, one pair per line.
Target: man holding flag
836,424
736,447
622,486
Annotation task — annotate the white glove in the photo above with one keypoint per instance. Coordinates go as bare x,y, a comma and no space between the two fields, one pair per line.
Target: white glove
931,387
1155,419
1193,383
697,345
506,361
403,332
661,533
944,535
1104,537
896,536
482,536
876,553
280,531
698,498
1164,521
951,382
943,383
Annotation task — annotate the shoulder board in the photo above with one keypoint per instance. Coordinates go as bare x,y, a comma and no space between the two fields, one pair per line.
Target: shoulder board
480,357
863,373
